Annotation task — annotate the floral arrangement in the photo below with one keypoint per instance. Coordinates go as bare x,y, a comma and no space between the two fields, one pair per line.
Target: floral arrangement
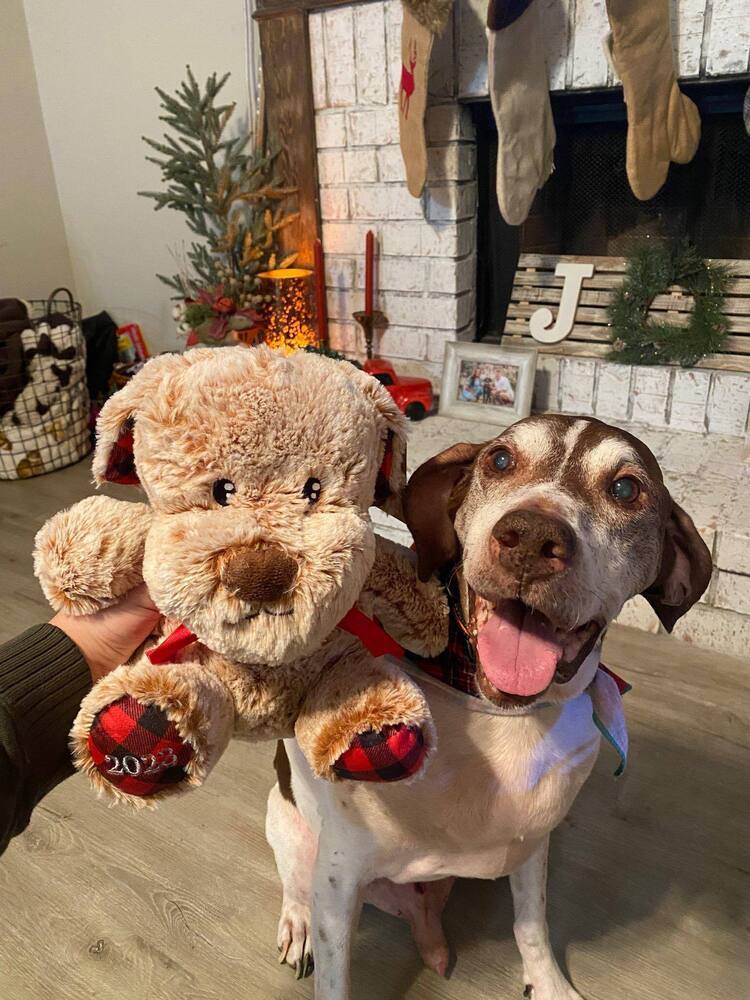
214,317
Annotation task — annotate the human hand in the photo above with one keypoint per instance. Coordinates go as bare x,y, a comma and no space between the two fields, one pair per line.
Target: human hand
109,637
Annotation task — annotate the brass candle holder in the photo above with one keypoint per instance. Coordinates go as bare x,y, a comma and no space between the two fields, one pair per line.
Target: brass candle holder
370,322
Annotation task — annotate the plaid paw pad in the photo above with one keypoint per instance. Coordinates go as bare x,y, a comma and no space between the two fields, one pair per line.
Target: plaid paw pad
137,748
393,753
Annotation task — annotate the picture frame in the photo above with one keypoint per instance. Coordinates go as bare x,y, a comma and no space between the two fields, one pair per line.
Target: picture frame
487,382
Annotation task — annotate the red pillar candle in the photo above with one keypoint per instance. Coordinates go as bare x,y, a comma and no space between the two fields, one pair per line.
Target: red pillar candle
369,268
320,293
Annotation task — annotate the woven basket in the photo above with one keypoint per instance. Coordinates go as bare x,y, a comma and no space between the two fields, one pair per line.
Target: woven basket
48,425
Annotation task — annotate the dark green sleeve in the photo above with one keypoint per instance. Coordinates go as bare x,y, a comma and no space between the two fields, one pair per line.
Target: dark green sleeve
43,678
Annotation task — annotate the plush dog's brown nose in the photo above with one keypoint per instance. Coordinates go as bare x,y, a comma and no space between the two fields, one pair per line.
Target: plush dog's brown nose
261,574
532,545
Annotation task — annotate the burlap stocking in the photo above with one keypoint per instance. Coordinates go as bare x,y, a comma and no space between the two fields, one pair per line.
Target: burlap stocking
520,101
663,124
423,19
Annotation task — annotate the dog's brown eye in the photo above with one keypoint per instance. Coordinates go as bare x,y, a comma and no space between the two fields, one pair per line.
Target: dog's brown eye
223,489
502,460
311,490
626,489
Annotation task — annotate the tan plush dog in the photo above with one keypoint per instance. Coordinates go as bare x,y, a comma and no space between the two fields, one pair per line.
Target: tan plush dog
256,542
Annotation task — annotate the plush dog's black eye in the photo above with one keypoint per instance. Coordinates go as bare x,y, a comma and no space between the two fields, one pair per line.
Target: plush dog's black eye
311,489
502,460
626,489
223,489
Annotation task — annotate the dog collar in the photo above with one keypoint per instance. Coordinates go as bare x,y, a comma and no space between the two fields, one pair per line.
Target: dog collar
606,689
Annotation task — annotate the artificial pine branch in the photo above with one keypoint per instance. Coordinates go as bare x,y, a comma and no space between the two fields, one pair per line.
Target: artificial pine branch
230,198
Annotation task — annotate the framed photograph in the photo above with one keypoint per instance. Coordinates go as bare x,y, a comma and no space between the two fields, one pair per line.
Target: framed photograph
487,382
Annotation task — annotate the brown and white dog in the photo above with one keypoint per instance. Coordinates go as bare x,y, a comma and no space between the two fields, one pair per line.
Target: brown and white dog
548,530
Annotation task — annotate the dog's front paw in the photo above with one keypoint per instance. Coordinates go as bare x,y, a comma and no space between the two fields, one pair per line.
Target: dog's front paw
391,754
553,987
295,938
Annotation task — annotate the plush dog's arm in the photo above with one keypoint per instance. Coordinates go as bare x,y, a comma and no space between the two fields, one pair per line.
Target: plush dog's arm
88,556
146,731
365,720
415,614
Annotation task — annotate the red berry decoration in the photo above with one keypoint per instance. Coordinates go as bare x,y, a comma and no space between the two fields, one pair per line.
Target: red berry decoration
137,748
392,754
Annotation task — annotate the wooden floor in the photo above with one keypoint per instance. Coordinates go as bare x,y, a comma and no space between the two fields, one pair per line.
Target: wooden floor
648,884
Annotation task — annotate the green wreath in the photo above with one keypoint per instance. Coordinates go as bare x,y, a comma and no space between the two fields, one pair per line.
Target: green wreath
651,270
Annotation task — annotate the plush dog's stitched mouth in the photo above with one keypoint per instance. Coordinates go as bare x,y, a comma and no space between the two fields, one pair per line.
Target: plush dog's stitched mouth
522,652
274,613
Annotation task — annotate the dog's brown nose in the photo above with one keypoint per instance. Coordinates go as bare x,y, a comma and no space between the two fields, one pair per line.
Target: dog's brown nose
532,545
261,574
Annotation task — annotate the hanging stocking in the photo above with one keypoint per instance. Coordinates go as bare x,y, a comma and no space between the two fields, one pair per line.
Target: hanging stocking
663,125
520,102
423,19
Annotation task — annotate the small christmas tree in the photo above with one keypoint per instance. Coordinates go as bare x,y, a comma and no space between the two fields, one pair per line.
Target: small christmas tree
232,202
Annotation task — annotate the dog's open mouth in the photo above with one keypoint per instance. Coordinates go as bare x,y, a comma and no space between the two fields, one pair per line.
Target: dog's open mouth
521,651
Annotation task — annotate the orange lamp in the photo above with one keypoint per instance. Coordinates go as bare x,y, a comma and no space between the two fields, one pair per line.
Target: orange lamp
287,308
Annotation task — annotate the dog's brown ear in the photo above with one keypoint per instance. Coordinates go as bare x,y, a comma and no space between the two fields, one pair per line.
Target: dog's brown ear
685,570
431,498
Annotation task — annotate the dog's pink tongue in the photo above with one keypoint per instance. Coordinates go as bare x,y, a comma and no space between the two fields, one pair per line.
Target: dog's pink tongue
518,650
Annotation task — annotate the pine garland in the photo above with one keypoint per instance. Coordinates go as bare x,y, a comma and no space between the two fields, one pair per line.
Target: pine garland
651,270
230,197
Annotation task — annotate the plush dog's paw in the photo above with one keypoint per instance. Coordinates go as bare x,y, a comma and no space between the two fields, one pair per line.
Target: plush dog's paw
294,940
391,754
136,748
147,731
88,556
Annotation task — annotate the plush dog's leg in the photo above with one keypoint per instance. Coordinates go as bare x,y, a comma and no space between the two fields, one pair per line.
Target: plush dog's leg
88,556
542,977
146,731
365,720
294,846
414,613
338,885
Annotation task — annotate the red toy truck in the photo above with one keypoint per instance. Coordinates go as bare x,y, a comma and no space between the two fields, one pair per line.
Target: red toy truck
413,396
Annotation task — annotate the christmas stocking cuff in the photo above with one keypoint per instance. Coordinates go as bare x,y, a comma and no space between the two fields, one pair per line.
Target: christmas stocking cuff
422,20
519,91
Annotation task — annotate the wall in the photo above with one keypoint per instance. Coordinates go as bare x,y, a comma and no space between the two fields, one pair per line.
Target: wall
426,261
33,251
711,38
97,65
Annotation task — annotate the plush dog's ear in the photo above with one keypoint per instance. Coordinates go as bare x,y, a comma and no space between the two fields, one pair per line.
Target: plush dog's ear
685,570
114,461
431,498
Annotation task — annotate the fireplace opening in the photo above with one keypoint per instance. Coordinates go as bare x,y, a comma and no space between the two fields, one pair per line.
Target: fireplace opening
587,207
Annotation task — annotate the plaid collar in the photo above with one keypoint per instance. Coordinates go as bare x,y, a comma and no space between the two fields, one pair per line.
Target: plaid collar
456,666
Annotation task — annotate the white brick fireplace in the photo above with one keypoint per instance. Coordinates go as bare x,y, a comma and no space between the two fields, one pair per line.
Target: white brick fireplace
695,421
427,265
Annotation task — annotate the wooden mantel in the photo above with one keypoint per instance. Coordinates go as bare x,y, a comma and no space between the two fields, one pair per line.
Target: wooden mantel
290,116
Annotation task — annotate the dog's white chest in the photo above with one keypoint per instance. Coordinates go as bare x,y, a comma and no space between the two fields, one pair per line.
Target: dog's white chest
495,786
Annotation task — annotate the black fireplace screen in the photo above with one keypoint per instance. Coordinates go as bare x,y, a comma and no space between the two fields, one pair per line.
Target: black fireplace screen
587,207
